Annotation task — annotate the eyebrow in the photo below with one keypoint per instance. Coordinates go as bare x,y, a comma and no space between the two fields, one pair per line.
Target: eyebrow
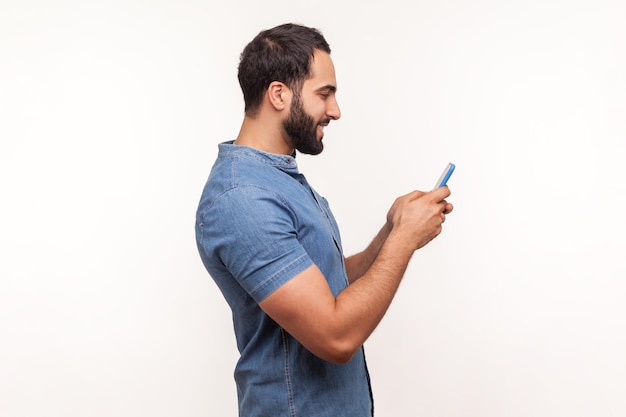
328,87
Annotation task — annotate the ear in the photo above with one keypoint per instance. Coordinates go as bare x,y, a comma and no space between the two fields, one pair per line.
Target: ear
278,95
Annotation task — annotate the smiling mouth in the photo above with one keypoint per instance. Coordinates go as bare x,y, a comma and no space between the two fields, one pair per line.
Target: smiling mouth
324,123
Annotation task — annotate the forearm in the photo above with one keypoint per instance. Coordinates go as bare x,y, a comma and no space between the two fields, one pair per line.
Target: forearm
362,305
358,264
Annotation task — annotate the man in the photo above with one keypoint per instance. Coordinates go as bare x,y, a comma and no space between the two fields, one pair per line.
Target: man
301,310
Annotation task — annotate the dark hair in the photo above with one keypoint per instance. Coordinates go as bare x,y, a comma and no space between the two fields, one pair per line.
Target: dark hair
283,53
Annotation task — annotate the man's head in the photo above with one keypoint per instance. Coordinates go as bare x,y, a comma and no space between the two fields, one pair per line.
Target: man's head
290,65
283,53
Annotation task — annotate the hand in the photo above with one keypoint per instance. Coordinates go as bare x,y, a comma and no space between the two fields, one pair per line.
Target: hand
400,201
417,217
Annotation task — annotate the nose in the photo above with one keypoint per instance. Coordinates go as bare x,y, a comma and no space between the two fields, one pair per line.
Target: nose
333,110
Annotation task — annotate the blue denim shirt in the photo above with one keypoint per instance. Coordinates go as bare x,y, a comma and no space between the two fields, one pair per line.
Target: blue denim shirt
259,224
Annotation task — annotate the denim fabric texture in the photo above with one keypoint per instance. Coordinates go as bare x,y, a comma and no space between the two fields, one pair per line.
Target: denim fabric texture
258,225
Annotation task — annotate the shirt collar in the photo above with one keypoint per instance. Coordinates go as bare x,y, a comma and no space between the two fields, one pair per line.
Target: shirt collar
285,163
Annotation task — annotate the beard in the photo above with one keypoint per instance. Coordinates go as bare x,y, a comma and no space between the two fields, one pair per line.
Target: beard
302,129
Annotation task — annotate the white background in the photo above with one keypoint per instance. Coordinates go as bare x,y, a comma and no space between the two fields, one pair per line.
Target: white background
110,115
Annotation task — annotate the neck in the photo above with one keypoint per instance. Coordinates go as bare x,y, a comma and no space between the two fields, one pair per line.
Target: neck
267,137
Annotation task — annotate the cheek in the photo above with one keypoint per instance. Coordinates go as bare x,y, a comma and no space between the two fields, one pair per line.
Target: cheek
318,112
315,108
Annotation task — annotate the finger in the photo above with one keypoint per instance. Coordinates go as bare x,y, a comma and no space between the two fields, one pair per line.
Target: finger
439,194
414,194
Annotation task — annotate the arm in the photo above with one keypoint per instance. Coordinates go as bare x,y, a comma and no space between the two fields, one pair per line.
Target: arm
358,264
335,328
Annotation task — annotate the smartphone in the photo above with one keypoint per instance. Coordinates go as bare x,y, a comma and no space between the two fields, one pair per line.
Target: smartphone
445,175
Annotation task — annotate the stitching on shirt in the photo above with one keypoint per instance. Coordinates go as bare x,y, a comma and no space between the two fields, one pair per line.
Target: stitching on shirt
234,186
292,406
233,172
266,158
271,278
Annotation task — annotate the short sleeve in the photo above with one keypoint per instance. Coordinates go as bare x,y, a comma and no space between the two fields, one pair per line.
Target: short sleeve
252,231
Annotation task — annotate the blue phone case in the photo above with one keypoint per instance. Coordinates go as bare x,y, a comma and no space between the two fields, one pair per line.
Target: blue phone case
445,175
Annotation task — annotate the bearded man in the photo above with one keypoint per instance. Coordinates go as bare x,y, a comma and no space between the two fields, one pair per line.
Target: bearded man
301,309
